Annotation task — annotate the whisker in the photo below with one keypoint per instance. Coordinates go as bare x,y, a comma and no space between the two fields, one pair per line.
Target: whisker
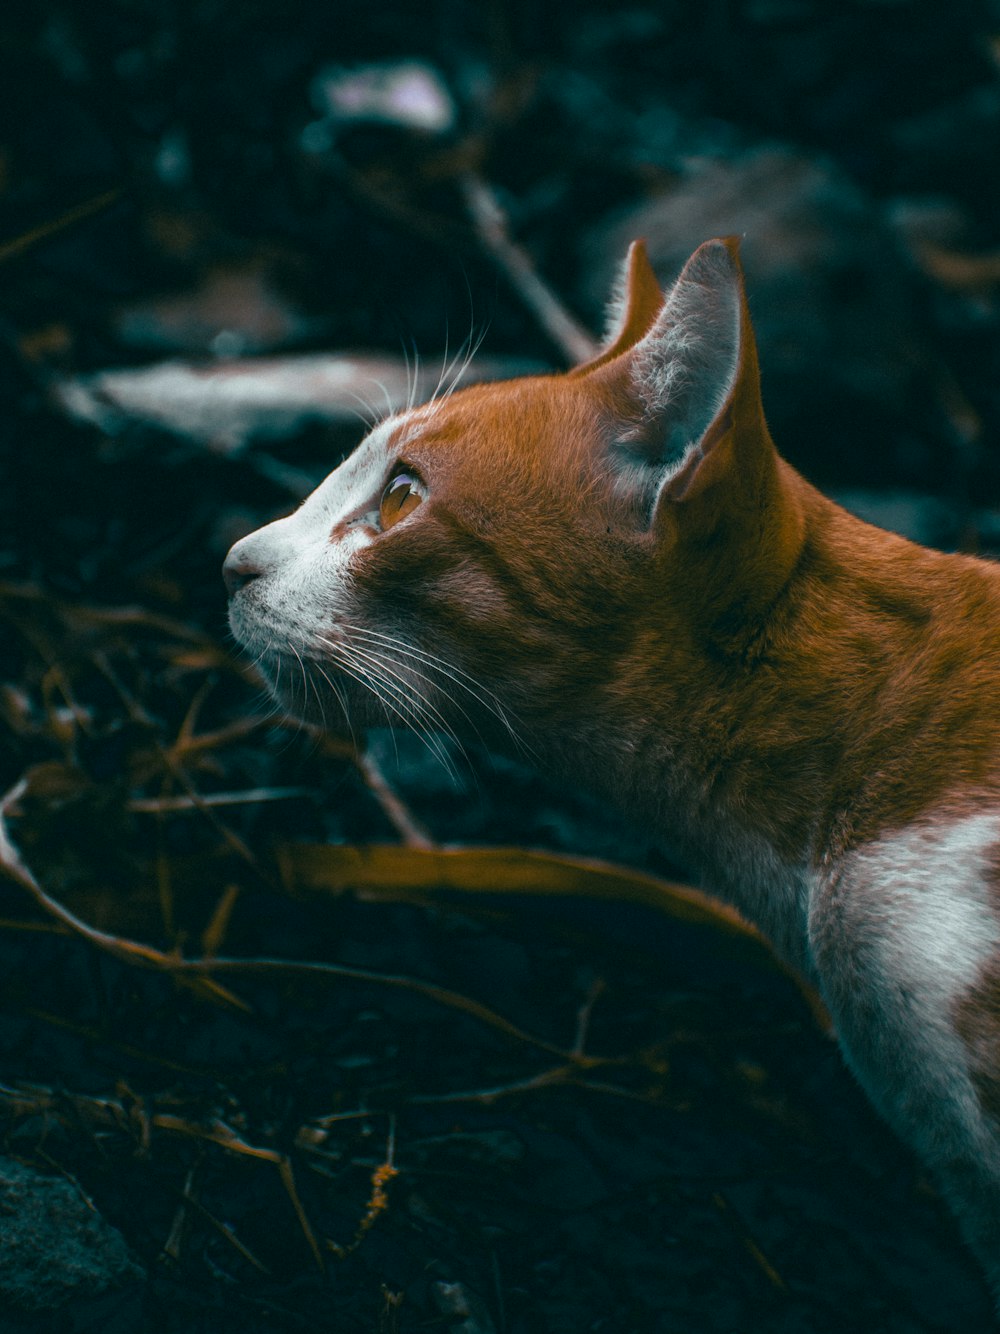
341,701
416,377
390,407
474,342
412,372
370,416
363,678
319,700
393,696
423,710
479,692
444,365
449,375
307,681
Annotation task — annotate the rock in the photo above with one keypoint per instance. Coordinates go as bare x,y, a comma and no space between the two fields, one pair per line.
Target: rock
54,1246
233,311
465,1310
407,93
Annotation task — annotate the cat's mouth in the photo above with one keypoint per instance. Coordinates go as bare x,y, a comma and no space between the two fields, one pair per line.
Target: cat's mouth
302,673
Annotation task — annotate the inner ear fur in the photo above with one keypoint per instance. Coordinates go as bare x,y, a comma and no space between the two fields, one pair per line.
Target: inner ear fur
691,383
635,302
685,369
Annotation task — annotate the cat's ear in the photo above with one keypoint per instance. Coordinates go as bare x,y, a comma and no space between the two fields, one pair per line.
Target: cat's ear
691,383
636,300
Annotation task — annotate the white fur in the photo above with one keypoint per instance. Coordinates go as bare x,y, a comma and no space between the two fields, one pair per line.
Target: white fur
900,931
352,490
910,917
617,307
304,559
932,883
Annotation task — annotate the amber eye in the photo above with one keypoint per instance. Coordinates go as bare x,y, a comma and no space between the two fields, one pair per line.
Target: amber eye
400,498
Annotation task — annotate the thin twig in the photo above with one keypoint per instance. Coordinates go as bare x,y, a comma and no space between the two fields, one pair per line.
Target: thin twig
190,1201
584,1013
141,955
558,1074
745,1237
250,797
237,730
17,246
406,824
178,773
514,262
378,1201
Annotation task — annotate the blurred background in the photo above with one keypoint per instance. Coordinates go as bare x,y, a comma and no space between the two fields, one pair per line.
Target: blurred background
227,231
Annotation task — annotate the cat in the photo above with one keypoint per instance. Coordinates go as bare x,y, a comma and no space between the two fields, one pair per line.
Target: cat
614,571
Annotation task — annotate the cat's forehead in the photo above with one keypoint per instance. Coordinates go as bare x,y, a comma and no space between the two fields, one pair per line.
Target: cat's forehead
517,421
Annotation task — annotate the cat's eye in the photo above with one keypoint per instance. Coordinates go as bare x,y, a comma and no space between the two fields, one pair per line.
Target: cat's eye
400,498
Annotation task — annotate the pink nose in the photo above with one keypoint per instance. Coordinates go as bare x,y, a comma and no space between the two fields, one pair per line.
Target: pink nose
239,569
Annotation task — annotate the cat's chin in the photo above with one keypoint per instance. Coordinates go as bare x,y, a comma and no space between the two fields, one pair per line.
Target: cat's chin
316,694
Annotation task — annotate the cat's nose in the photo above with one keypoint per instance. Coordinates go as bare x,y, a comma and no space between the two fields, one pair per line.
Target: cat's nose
239,568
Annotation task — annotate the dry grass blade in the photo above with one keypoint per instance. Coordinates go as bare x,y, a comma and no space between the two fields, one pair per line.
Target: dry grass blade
175,1238
584,1014
387,870
416,874
287,1175
442,995
42,928
216,1133
215,932
125,617
130,1049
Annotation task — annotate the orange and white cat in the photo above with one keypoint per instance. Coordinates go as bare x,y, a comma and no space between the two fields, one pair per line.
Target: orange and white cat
614,569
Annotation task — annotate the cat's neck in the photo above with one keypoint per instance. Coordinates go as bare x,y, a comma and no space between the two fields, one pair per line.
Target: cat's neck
764,763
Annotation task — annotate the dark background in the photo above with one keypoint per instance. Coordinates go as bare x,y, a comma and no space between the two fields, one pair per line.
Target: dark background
176,183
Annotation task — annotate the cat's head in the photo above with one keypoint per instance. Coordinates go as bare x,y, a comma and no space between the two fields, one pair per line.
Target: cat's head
521,551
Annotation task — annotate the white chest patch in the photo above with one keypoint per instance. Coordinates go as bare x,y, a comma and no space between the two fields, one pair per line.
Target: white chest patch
901,931
929,902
